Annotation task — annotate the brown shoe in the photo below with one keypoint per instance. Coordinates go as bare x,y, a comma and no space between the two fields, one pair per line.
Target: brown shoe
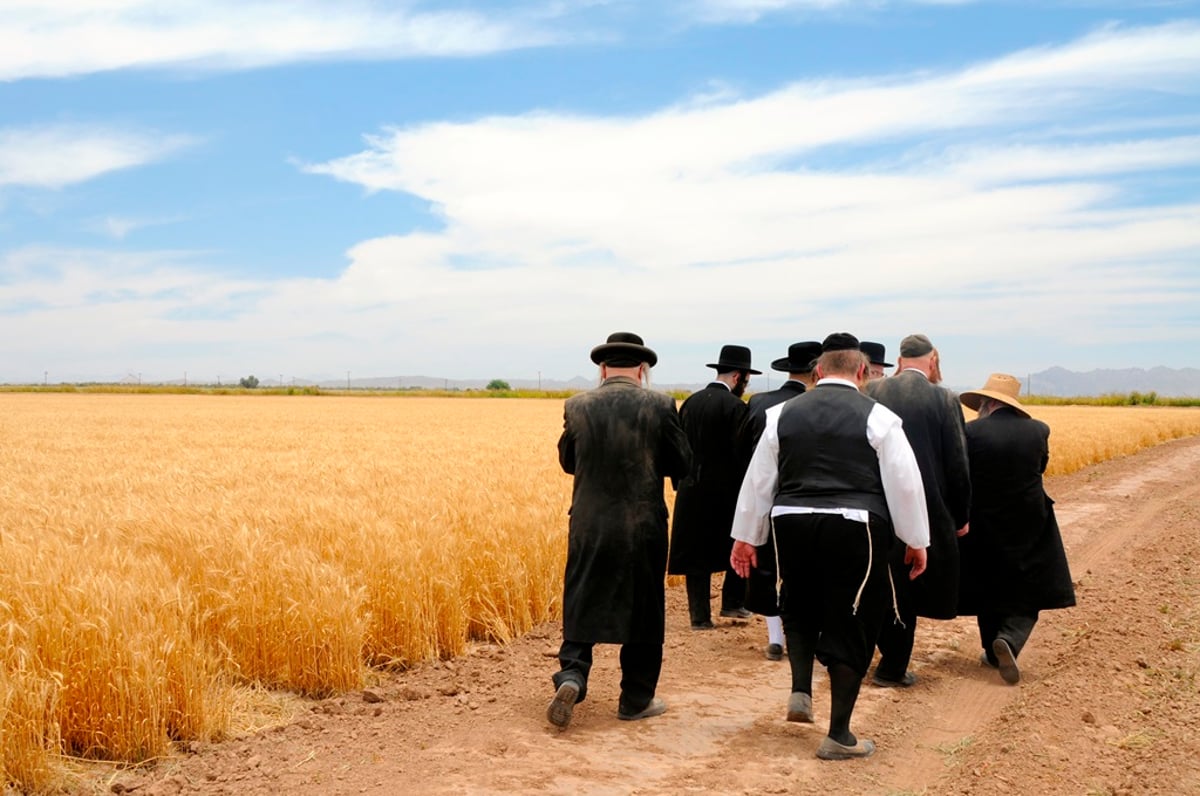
832,750
800,707
1007,661
560,709
656,708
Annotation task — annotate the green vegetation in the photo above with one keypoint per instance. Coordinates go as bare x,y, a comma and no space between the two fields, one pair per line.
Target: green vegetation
1112,399
498,384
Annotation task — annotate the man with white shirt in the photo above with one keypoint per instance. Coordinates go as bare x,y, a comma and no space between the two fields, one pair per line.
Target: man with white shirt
836,475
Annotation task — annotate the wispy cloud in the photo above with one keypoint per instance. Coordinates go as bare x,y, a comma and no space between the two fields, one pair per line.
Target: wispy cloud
71,37
748,11
119,227
707,204
997,197
53,156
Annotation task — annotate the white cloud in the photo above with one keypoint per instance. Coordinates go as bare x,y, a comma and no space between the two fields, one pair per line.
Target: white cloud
685,215
999,211
57,155
71,37
119,227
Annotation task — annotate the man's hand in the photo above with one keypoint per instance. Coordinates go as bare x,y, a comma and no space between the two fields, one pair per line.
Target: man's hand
917,557
963,531
744,556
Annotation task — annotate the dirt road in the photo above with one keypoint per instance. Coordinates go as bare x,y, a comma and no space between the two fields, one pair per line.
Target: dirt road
1108,702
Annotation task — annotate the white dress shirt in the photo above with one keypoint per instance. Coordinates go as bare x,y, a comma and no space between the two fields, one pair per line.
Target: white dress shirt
902,486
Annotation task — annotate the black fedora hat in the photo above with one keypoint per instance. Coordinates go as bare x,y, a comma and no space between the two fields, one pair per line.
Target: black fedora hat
623,350
800,358
733,357
876,352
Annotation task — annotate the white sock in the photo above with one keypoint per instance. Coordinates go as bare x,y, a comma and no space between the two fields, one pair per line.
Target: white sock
774,630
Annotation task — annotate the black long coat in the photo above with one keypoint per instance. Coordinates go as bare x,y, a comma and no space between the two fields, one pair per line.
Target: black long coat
762,595
1013,559
934,424
619,441
700,540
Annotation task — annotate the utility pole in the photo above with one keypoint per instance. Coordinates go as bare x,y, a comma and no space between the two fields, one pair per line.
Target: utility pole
45,377
539,381
347,380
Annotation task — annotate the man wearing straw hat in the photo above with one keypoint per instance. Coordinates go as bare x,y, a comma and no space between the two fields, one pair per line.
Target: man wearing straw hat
933,423
619,441
1013,562
700,540
836,475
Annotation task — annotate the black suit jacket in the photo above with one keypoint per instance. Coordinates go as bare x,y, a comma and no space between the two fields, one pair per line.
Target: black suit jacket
700,540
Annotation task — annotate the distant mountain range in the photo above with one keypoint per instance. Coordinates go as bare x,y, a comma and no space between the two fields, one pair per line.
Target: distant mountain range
1166,382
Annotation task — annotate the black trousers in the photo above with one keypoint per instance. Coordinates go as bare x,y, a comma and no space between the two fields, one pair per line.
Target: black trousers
896,644
641,664
699,587
1014,628
835,584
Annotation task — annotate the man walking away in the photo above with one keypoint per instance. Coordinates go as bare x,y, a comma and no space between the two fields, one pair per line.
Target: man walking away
619,441
1013,562
934,426
762,590
700,543
835,473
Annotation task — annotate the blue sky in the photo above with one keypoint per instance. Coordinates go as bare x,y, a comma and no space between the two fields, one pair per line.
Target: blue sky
478,190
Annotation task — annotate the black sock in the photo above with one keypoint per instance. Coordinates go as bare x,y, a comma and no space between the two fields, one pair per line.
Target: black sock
801,648
844,683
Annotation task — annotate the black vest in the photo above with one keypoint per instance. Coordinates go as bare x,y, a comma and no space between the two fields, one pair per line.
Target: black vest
825,460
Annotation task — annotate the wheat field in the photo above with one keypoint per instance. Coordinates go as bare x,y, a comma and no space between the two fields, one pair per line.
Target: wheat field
164,556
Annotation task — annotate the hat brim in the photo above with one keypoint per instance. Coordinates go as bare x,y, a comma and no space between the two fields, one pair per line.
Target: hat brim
629,351
786,365
973,398
727,366
883,364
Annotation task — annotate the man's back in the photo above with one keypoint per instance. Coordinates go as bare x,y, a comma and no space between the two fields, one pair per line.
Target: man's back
621,441
934,425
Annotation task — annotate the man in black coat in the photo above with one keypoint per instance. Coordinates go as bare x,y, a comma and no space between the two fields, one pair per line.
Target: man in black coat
700,543
762,595
934,425
619,441
1013,562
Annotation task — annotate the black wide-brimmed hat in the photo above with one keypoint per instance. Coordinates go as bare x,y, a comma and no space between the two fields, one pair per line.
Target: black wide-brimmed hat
876,352
623,350
800,358
733,357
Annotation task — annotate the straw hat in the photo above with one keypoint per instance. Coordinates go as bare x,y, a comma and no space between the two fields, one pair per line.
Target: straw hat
1001,386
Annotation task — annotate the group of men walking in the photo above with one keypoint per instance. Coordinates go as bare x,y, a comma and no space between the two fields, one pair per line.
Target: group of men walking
841,507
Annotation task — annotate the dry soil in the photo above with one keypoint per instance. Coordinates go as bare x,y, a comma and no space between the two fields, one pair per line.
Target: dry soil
1107,702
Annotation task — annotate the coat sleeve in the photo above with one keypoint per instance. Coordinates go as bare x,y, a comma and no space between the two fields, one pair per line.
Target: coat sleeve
566,447
956,462
674,454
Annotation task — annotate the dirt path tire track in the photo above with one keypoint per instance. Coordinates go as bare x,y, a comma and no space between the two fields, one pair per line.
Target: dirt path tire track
1103,685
